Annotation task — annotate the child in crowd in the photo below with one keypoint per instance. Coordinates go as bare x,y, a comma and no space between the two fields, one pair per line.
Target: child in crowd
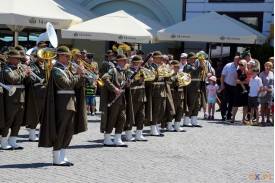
91,96
255,85
211,90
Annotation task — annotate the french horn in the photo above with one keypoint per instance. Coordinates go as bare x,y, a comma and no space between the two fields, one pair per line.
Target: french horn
147,74
165,71
183,78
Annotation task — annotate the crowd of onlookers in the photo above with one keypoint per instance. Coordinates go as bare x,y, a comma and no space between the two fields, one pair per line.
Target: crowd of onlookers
242,84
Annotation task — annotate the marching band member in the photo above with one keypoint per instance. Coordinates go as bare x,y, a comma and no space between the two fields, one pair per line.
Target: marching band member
158,95
178,97
114,114
65,111
193,92
15,104
136,102
36,94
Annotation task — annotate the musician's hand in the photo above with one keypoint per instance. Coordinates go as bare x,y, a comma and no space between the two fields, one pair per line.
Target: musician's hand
28,71
117,91
80,70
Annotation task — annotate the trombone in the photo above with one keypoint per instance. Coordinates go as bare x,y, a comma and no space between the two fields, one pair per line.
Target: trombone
10,89
88,71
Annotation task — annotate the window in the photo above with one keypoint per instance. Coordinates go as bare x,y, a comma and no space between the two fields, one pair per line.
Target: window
252,19
236,1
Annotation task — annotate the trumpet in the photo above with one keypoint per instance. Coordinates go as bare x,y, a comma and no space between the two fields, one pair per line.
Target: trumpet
10,89
23,68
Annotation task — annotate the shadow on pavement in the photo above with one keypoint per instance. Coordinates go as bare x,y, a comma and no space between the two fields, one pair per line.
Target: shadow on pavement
91,146
27,165
96,141
226,123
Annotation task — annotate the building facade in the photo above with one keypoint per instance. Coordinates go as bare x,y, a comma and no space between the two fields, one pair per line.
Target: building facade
256,13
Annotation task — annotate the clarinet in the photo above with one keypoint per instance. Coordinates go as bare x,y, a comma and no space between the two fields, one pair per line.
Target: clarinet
130,79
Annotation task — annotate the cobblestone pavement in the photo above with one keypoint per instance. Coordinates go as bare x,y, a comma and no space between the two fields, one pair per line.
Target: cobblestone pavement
216,153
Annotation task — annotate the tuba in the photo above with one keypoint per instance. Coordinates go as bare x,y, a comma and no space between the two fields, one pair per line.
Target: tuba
48,54
183,78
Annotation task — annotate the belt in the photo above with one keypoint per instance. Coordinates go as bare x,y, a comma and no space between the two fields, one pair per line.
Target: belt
172,89
16,86
65,92
137,87
37,84
196,79
159,83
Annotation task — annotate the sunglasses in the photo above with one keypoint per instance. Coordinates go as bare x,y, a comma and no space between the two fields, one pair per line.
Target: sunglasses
241,65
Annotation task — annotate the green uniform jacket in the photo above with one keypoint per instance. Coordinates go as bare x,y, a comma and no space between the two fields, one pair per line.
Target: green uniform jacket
113,78
48,124
35,96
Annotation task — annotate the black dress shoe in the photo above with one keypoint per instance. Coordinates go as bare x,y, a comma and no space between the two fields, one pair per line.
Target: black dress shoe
62,164
198,126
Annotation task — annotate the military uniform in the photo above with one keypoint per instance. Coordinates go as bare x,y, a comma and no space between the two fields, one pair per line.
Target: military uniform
193,94
35,102
65,110
135,105
178,100
14,105
157,99
113,116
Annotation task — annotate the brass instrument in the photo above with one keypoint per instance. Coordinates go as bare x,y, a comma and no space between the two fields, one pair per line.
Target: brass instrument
201,57
88,71
23,68
183,78
165,71
147,74
10,89
47,54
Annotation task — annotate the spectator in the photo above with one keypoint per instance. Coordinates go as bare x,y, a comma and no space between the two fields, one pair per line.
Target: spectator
265,100
211,90
228,84
241,94
255,87
183,60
